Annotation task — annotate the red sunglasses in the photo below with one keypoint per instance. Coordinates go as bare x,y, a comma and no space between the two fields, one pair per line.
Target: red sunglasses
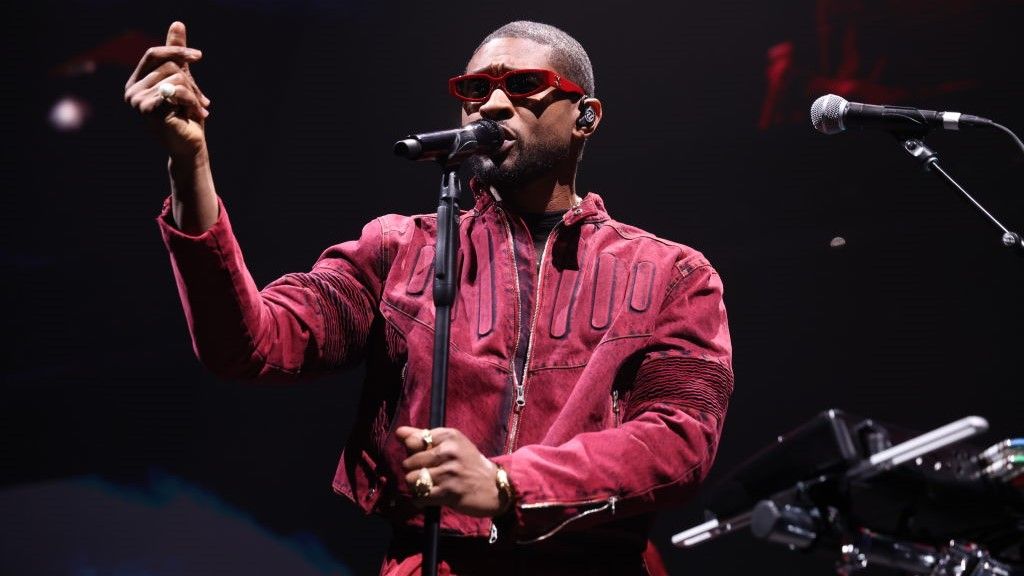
515,83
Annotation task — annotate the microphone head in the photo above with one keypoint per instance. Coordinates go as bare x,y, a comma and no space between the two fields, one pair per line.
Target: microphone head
827,114
410,148
488,134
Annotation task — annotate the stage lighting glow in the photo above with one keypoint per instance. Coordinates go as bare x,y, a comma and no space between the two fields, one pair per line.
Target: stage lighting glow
68,114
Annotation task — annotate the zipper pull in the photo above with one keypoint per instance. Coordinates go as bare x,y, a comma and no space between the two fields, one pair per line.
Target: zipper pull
611,502
520,397
615,407
494,534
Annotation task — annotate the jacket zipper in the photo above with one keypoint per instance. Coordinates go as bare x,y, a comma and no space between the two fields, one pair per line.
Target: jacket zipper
520,393
615,407
609,504
521,389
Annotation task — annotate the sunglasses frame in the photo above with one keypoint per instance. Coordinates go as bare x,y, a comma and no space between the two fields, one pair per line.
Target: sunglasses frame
550,77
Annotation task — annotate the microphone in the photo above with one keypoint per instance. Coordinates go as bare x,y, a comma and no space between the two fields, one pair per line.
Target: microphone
831,114
480,137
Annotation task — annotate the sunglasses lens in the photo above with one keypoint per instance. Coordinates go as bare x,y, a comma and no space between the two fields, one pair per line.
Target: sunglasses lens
473,87
524,83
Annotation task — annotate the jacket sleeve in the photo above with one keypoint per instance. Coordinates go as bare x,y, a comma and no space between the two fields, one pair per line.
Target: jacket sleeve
669,436
299,324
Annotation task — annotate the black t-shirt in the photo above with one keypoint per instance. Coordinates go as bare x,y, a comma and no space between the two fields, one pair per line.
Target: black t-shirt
541,224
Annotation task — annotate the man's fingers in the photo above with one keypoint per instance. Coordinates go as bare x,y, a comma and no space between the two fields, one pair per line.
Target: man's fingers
440,454
195,86
158,55
182,100
413,440
403,432
167,70
441,492
164,71
176,34
141,97
438,474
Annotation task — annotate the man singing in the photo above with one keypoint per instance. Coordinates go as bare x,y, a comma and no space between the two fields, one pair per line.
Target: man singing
590,366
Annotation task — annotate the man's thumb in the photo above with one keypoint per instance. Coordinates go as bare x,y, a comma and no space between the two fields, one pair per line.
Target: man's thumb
176,34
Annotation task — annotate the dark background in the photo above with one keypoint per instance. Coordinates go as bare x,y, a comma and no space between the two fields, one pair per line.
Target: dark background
121,455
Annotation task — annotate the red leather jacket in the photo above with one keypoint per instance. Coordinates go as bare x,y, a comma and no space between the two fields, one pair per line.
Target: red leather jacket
599,382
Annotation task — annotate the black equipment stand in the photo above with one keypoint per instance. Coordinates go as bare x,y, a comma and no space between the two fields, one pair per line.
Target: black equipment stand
914,146
445,288
449,148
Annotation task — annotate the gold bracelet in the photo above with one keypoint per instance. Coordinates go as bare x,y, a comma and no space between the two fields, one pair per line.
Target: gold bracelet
504,487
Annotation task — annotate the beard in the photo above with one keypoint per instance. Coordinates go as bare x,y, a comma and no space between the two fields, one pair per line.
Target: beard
521,165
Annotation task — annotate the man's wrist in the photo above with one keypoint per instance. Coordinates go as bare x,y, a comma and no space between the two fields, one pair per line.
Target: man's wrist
194,205
188,164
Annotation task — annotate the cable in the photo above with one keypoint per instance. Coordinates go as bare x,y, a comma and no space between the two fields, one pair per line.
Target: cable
1012,135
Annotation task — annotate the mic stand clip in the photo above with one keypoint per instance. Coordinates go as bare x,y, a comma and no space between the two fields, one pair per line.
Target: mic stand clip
917,149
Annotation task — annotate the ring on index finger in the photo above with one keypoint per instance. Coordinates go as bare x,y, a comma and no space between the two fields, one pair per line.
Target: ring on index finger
167,90
428,440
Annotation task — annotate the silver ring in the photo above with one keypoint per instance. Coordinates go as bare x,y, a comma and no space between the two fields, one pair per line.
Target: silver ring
166,90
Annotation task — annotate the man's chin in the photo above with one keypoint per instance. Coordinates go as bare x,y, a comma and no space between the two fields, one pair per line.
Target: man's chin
490,170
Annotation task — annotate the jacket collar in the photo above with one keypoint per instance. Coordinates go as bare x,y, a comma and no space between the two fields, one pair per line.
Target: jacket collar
590,209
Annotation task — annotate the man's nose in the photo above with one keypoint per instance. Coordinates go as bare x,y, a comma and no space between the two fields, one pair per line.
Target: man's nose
498,106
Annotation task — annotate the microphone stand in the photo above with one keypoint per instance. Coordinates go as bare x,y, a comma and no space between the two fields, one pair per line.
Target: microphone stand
914,146
445,288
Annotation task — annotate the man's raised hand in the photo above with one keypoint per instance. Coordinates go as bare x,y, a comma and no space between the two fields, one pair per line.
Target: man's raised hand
177,115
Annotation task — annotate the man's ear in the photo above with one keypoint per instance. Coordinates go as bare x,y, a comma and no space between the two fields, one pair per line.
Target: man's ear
588,116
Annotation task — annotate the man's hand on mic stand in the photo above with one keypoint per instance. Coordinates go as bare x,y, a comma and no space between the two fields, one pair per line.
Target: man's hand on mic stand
462,478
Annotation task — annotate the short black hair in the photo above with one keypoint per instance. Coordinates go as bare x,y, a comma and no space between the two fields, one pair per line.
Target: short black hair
567,54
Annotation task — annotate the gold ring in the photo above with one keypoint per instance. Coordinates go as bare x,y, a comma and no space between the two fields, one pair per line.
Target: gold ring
428,440
423,484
